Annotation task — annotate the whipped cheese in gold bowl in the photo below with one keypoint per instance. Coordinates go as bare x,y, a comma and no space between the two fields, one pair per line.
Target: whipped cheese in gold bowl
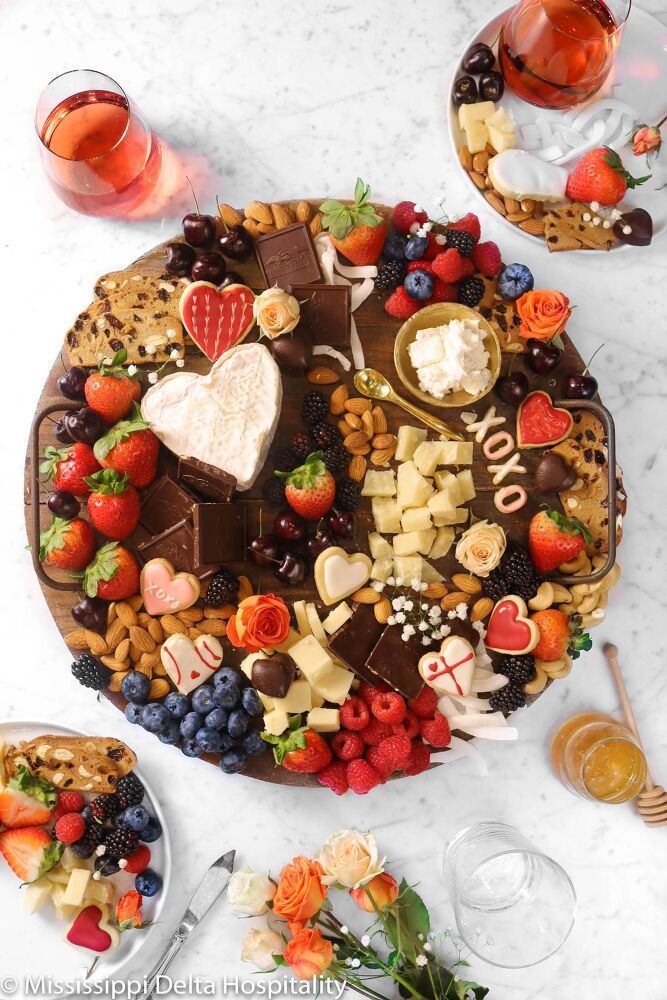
447,355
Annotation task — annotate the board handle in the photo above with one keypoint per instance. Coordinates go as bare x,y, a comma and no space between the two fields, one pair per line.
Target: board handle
35,484
607,421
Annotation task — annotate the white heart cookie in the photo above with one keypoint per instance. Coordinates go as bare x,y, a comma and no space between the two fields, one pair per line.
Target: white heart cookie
190,663
337,574
450,671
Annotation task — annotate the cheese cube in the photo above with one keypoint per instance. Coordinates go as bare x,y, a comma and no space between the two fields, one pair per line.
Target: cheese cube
408,568
458,516
446,480
75,893
456,453
444,538
63,910
99,891
501,140
382,569
500,119
276,722
386,514
428,456
315,624
416,519
312,660
58,876
324,720
336,685
379,484
337,617
68,860
430,574
466,485
296,700
441,502
379,546
426,538
302,622
408,440
469,113
477,136
406,543
292,638
413,490
35,895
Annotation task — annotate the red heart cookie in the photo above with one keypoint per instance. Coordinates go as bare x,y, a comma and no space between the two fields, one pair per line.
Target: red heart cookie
216,319
91,930
539,423
510,630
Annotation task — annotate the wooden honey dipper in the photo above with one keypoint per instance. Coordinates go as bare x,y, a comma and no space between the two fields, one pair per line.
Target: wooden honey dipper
652,800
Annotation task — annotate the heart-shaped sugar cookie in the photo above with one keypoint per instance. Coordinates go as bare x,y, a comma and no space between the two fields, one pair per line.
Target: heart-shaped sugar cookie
450,671
190,663
337,574
510,631
539,423
216,319
91,929
164,591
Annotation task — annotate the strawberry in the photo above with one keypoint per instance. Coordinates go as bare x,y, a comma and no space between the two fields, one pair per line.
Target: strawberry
334,776
486,258
70,828
113,506
67,544
30,852
436,731
130,446
67,468
300,749
310,489
400,305
361,777
357,230
26,801
600,176
405,215
112,390
419,759
113,574
559,634
468,224
449,266
554,538
354,713
348,745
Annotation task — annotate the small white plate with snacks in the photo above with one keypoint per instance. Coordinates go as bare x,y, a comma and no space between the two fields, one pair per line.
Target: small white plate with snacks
84,852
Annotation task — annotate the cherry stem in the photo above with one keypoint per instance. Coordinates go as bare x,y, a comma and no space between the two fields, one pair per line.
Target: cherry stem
193,195
587,368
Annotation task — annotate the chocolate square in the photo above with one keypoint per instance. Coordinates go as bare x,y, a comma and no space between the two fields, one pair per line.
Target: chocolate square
207,480
325,312
165,504
395,661
287,257
177,545
355,639
220,532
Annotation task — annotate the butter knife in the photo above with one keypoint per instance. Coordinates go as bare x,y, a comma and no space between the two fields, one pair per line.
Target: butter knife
211,887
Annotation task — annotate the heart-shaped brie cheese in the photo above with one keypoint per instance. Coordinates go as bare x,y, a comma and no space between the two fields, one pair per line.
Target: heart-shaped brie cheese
450,671
164,591
190,663
337,574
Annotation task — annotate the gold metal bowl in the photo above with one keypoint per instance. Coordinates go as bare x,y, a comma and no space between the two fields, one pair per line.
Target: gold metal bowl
439,314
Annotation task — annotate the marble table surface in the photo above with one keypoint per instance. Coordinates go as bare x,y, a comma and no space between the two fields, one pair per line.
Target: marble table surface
267,99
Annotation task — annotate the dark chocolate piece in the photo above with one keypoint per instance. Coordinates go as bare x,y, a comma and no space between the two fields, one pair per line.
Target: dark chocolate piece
273,675
287,257
292,352
641,228
207,480
355,639
395,661
165,504
553,474
177,545
219,532
325,312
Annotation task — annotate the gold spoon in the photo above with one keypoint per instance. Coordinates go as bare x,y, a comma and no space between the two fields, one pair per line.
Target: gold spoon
371,383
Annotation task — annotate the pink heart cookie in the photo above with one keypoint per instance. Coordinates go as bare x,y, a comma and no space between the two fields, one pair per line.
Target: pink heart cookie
91,929
450,671
510,630
190,663
216,319
164,591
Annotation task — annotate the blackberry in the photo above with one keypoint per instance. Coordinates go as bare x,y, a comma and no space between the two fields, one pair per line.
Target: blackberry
390,276
84,847
519,669
129,790
471,292
461,241
515,575
223,589
348,494
314,408
89,672
121,843
336,458
302,445
508,699
273,490
103,807
285,460
325,435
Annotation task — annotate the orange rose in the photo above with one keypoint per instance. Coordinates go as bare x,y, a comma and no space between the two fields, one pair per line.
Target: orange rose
308,954
261,622
543,313
128,910
300,892
384,890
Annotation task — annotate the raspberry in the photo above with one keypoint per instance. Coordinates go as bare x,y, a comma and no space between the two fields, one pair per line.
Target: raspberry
139,861
397,750
404,216
419,759
375,731
382,763
436,731
334,776
400,305
347,745
72,802
448,266
468,224
425,704
361,777
354,714
442,292
389,708
486,258
70,828
467,267
408,727
433,248
419,265
369,691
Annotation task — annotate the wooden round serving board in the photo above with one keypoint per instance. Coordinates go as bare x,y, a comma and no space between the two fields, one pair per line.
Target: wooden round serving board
377,331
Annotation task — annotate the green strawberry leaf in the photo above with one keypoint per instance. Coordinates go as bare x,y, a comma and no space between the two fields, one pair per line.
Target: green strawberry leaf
308,475
37,788
53,456
613,160
294,738
341,219
119,432
50,858
116,369
52,538
580,642
108,482
569,525
103,567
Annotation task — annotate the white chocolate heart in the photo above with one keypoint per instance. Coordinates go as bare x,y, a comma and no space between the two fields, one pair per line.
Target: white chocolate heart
337,574
450,671
165,591
190,663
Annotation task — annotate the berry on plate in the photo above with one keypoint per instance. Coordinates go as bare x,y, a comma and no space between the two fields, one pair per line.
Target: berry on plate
486,258
554,538
130,447
406,214
67,544
468,224
356,230
334,776
300,749
139,861
559,634
310,488
89,672
443,292
600,176
70,828
26,801
419,285
67,468
113,505
362,777
394,247
514,281
112,575
449,266
112,390
348,745
30,852
354,713
436,731
400,305
425,704
419,760
389,708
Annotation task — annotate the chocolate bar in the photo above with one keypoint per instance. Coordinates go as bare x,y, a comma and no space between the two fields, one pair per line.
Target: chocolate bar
165,504
177,545
395,661
355,639
325,312
207,480
287,257
219,532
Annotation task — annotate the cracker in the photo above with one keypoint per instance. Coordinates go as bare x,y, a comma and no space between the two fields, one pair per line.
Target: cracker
566,229
503,317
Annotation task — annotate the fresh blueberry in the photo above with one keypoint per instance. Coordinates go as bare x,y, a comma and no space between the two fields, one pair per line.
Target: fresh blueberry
209,740
253,744
172,734
190,747
148,883
87,815
251,701
136,687
190,724
216,719
136,818
177,704
394,247
233,761
514,281
416,247
153,831
419,285
133,713
227,695
154,717
225,676
237,724
117,821
202,699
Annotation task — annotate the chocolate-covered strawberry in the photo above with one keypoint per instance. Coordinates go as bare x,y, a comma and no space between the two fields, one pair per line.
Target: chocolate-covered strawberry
130,447
67,544
67,468
113,574
113,505
112,389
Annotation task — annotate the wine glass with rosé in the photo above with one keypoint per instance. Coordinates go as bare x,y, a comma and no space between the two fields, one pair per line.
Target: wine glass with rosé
558,53
98,150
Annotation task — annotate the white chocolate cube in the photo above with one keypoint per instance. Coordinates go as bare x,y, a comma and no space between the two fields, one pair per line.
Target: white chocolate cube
413,490
416,519
379,484
408,440
312,660
386,514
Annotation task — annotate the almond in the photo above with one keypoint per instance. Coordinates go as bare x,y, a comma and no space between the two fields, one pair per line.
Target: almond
495,201
364,449
136,602
191,615
355,439
353,421
252,227
266,227
480,609
225,612
384,441
367,595
144,619
116,680
142,639
260,212
112,614
115,633
194,632
143,668
480,162
76,639
382,610
435,591
245,588
518,216
212,626
122,650
155,630
344,428
467,583
159,689
381,456
358,405
171,625
527,205
512,205
533,226
479,180
230,216
465,158
367,423
282,216
96,643
451,601
126,613
303,211
150,659
159,670
379,420
339,397
315,224
113,664
357,468
322,376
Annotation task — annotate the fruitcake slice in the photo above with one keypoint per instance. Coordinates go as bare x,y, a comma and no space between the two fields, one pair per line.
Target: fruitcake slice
75,763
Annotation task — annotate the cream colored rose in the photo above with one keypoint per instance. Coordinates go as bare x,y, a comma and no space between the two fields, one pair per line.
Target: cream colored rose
249,892
259,947
276,312
350,858
481,547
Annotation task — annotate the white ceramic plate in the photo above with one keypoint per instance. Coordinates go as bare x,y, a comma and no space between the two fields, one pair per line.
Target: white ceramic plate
639,80
36,940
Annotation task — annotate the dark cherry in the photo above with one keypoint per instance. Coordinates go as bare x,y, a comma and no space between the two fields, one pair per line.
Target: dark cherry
491,86
199,230
84,425
179,258
90,612
293,570
264,550
342,523
60,428
231,278
580,387
289,527
72,383
478,59
63,504
321,541
513,388
236,243
209,267
542,357
464,91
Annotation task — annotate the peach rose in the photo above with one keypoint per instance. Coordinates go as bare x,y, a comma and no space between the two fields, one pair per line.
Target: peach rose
308,954
259,947
276,312
543,313
480,548
384,890
300,892
128,910
261,622
646,139
350,858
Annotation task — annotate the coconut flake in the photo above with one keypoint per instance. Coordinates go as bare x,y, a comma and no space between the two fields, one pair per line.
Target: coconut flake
331,352
459,748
